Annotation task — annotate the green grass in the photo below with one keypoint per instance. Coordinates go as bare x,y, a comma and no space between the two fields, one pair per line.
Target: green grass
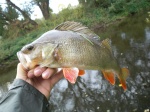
9,47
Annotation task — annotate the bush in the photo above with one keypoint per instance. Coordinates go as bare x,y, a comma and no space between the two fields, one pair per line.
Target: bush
117,7
9,47
135,6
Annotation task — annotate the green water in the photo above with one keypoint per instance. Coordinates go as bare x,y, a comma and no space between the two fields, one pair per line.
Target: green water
7,75
92,93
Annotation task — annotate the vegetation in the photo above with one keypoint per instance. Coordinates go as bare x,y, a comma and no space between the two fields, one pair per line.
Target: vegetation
89,12
148,18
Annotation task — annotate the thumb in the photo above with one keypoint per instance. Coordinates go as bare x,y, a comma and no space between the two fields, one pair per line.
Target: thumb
21,72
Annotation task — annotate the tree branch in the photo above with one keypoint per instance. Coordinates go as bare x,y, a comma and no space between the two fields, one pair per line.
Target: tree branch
25,15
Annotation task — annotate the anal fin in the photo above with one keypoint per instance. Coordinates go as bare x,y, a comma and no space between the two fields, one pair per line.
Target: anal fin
109,75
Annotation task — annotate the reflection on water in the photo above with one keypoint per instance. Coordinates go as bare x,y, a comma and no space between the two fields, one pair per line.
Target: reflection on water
92,93
6,77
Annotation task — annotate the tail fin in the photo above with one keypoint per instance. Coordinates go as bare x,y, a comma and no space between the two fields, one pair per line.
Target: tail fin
123,76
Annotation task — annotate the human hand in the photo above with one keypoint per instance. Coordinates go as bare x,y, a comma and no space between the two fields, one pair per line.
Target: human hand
43,79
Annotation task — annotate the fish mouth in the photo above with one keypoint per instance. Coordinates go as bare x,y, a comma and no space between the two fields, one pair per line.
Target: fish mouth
26,61
22,60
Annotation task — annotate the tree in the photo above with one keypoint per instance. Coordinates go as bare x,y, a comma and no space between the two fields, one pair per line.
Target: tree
7,16
11,13
96,3
1,22
25,15
44,7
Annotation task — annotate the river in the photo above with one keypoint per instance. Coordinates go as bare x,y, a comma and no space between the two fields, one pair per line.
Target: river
92,93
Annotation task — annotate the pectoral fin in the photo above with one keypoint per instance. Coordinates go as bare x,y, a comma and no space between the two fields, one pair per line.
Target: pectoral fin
48,50
71,74
109,75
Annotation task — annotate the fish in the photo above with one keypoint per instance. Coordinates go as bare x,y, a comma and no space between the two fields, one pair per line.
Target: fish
74,48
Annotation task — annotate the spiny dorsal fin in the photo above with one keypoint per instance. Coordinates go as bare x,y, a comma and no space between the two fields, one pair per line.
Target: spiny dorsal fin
76,27
107,43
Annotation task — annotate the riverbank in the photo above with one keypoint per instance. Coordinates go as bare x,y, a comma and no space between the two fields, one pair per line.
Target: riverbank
8,65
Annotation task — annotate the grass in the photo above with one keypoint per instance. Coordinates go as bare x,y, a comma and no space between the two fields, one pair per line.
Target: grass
9,47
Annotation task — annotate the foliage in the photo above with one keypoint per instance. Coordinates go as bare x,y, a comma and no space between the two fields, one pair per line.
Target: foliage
117,6
135,6
9,47
1,22
71,13
148,18
96,3
67,14
27,8
9,21
11,13
129,6
6,15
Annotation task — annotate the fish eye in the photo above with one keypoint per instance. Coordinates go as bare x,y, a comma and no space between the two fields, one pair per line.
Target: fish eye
29,48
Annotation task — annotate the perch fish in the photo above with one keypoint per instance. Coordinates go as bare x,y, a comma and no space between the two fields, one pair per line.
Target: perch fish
74,48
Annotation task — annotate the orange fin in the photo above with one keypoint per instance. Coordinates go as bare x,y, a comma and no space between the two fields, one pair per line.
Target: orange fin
109,76
71,74
123,76
81,72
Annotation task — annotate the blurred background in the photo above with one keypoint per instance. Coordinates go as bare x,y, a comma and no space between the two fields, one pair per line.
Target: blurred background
125,22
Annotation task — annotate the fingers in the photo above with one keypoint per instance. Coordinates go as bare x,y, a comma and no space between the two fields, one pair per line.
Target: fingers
48,73
30,74
41,71
21,71
36,72
55,78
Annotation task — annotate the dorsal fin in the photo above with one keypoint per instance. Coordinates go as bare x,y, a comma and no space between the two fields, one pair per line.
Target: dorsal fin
76,27
107,44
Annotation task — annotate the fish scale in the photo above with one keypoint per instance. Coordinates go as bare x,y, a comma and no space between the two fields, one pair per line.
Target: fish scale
80,54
